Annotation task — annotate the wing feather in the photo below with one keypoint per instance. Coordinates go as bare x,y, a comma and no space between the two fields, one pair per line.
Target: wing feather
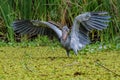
33,27
84,23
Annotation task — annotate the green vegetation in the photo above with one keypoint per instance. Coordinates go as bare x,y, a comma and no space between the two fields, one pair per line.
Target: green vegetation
11,10
47,62
43,58
41,61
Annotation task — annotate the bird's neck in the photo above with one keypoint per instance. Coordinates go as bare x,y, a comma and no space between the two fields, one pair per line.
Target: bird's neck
64,36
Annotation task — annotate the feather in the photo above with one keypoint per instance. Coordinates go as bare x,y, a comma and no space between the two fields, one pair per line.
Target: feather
89,21
33,27
99,20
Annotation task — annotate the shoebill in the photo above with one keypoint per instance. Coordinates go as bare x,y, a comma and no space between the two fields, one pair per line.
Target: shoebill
74,39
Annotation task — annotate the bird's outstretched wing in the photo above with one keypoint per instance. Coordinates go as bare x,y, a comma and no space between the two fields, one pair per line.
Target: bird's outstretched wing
32,27
84,23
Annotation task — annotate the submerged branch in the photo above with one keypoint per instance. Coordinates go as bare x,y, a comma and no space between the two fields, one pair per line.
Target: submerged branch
103,66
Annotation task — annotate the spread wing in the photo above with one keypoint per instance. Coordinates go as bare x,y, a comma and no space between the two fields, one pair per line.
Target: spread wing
84,23
33,27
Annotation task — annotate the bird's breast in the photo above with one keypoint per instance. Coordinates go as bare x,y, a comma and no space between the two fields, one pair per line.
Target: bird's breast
66,43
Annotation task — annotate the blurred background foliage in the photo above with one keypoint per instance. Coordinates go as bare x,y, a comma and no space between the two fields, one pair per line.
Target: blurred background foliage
62,11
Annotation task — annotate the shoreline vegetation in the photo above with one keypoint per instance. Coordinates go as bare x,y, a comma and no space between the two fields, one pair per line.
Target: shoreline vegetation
52,63
42,58
60,11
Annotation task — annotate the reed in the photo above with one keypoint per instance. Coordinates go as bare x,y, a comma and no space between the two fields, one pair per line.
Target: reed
11,10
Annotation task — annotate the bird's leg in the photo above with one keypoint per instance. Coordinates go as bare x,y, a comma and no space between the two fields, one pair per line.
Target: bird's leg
68,53
75,52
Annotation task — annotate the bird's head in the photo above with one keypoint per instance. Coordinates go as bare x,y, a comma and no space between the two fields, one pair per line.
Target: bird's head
65,32
65,29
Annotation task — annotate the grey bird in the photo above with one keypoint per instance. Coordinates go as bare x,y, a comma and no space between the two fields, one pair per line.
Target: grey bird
74,39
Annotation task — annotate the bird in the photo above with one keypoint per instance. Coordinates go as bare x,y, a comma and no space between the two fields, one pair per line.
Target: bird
73,39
